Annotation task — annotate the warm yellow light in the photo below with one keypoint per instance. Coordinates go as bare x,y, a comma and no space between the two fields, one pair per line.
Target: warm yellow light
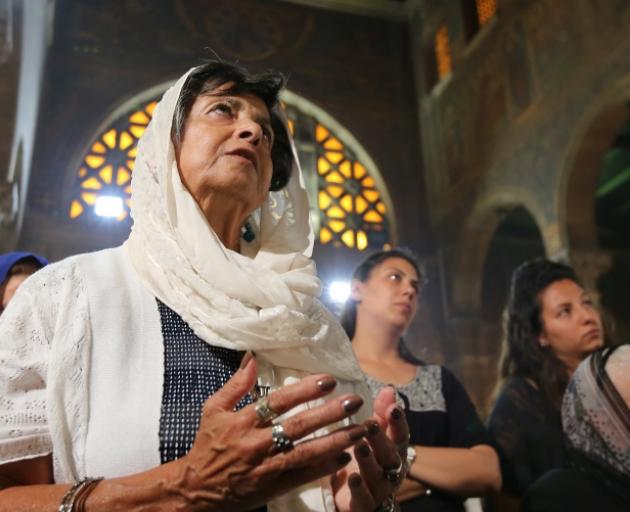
98,147
89,198
126,140
360,204
371,195
373,216
359,170
139,118
151,107
334,157
336,213
323,200
443,52
362,240
486,9
346,169
137,131
368,182
334,190
94,161
381,207
346,203
325,235
336,225
92,184
76,209
334,177
321,133
106,174
348,239
109,138
123,176
333,144
323,166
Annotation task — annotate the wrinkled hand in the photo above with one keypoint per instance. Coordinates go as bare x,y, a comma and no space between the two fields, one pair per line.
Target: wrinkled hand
234,464
362,486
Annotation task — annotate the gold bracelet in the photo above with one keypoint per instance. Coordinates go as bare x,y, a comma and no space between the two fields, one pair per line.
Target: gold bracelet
74,499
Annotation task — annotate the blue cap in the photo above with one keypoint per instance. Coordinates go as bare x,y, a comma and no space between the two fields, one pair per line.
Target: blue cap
11,258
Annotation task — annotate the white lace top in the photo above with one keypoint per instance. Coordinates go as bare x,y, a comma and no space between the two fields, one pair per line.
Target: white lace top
70,356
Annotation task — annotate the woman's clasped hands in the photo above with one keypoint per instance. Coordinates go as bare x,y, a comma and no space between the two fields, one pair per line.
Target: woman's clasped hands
240,461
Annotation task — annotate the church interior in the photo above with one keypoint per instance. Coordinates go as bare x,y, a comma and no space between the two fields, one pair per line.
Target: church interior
478,133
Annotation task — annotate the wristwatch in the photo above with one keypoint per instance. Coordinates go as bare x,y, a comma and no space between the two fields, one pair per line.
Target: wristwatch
411,455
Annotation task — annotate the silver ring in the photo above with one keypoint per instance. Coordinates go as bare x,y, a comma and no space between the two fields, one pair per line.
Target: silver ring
396,475
280,439
265,413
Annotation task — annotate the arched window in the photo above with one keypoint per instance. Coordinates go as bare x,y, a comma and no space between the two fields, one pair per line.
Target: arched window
103,184
350,206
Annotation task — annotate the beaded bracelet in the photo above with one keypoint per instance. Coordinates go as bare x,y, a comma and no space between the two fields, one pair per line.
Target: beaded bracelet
74,500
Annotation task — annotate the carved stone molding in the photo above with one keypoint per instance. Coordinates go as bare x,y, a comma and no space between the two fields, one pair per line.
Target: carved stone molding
9,198
6,30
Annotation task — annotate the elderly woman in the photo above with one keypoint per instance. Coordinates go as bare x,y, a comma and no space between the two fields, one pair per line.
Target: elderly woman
596,422
15,267
108,359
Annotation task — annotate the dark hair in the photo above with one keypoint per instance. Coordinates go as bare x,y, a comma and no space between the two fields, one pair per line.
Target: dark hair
522,355
26,266
266,86
362,273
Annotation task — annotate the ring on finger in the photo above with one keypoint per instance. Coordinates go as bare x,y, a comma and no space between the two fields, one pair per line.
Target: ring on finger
280,439
264,412
397,474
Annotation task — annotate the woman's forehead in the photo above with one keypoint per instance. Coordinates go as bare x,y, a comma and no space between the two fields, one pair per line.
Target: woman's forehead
400,264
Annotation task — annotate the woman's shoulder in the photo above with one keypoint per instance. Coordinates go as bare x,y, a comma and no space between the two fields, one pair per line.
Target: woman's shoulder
518,396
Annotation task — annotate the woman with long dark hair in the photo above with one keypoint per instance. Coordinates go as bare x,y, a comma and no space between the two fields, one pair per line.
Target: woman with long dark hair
550,326
450,457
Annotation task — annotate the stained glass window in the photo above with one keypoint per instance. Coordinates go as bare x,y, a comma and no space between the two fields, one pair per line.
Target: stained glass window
486,9
351,209
104,176
443,52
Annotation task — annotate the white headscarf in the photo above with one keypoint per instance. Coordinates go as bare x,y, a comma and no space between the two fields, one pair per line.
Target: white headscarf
265,303
264,300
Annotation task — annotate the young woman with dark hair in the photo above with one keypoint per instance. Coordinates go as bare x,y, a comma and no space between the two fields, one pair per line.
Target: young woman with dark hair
450,456
550,326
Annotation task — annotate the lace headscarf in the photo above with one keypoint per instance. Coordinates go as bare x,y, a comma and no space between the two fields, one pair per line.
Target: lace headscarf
595,417
265,299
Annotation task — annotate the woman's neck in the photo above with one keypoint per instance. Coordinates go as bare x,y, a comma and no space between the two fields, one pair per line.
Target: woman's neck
374,342
226,221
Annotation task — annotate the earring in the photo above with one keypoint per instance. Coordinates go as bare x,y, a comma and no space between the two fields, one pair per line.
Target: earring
248,233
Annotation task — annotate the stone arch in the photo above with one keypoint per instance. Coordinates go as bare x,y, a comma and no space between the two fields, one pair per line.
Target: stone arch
479,297
476,237
579,175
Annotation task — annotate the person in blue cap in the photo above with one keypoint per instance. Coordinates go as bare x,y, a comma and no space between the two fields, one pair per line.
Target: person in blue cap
15,267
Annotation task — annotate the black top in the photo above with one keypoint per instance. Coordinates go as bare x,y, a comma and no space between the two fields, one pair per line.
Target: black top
528,433
439,413
193,370
573,490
